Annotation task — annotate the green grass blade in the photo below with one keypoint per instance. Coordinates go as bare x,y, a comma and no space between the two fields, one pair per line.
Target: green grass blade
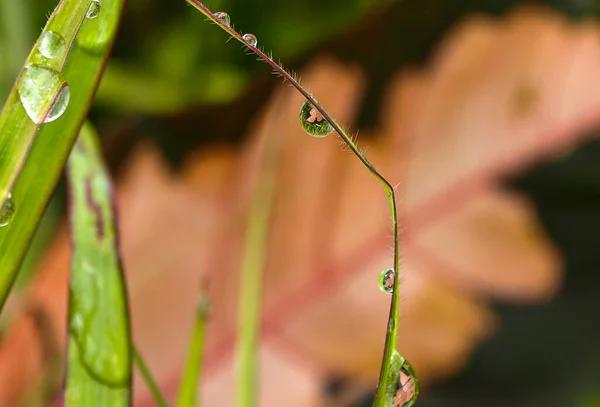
99,350
188,389
149,379
31,191
253,264
36,90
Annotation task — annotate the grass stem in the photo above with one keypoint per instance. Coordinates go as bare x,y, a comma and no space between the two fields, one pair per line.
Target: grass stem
392,326
149,379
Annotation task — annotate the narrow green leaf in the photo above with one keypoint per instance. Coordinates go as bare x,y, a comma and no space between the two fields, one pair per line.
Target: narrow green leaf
99,354
223,20
81,67
253,264
149,379
39,86
188,389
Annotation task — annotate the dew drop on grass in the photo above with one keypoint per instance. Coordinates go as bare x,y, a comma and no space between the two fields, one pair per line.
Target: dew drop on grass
7,212
61,104
386,281
250,39
313,121
38,86
406,386
94,9
52,45
223,17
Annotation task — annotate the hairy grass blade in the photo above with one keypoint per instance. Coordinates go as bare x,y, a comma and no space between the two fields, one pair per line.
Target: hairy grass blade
99,349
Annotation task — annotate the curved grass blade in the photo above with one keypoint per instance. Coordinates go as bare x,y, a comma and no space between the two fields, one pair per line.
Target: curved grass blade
250,42
188,389
99,349
88,44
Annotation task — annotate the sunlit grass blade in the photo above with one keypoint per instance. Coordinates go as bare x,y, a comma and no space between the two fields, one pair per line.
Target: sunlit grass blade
37,90
99,361
144,370
81,68
188,389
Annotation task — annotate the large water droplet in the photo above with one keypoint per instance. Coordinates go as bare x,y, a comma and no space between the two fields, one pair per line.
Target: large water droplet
223,17
407,387
38,86
52,45
94,9
386,281
313,121
250,39
7,212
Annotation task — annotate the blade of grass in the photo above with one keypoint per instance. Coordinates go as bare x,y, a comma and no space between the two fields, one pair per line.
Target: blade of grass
99,347
253,264
382,397
188,389
47,156
149,379
17,126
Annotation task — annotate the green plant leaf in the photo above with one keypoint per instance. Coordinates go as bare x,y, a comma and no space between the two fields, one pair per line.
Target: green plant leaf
188,389
253,265
31,169
146,374
100,351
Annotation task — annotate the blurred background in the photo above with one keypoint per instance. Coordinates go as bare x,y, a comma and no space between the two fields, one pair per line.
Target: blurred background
484,113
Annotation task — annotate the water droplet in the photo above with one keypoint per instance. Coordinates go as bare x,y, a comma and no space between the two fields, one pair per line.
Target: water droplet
223,17
38,86
250,39
7,212
406,391
94,9
52,45
313,121
386,281
60,105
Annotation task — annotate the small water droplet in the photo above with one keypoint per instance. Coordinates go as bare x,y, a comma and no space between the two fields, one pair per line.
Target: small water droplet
52,45
223,17
94,9
7,212
386,281
313,121
250,39
407,387
38,86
